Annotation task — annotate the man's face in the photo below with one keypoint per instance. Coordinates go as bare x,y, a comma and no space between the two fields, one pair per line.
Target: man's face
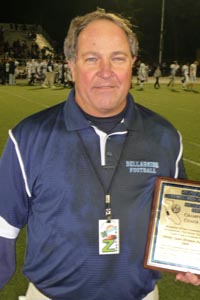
102,70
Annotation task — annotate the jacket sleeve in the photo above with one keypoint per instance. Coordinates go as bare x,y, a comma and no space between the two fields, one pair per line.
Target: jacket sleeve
181,170
14,207
7,260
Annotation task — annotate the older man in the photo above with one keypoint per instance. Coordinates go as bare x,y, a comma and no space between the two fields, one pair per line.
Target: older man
81,175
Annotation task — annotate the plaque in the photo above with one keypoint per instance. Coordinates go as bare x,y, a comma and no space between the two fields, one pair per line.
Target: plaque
173,242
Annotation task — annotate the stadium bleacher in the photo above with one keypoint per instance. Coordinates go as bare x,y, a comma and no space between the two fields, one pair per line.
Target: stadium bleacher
30,35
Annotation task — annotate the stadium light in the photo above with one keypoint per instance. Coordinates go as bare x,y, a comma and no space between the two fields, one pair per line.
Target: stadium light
161,32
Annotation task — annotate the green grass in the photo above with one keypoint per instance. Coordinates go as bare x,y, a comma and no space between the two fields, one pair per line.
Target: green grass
180,107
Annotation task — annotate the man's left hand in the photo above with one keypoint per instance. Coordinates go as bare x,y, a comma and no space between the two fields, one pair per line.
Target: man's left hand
188,278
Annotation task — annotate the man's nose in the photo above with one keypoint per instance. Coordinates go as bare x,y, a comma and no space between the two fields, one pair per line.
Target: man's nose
105,69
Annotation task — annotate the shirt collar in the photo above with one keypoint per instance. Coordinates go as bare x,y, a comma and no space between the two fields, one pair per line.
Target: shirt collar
75,119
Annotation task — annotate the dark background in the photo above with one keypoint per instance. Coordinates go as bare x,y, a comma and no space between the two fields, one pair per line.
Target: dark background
181,22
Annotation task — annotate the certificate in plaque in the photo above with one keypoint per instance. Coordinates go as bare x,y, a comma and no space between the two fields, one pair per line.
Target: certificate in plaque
174,233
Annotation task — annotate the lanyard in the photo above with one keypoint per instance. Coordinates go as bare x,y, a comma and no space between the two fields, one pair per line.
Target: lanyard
108,210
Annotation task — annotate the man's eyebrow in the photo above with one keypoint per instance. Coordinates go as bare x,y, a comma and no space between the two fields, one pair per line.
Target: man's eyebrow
97,53
120,53
89,53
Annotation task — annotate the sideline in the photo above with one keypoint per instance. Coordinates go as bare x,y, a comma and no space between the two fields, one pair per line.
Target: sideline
165,79
192,162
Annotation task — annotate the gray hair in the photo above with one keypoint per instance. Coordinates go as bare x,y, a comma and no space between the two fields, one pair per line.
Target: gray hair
80,22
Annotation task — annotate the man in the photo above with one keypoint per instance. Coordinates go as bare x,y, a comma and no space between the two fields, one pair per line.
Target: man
77,175
142,75
173,71
12,71
157,74
193,74
186,78
50,75
32,71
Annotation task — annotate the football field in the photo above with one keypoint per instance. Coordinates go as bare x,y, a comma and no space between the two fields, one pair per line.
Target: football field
179,106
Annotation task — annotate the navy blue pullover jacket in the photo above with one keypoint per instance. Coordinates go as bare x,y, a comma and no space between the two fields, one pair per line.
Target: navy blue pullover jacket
49,182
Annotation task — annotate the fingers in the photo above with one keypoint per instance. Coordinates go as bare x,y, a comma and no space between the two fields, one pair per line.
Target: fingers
189,278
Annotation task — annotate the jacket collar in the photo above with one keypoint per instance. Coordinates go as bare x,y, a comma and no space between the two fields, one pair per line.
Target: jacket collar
75,119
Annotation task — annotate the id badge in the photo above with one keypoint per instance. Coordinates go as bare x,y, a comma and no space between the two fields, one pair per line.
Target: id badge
109,238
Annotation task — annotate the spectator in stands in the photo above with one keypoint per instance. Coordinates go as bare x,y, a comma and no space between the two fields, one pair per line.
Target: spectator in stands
43,52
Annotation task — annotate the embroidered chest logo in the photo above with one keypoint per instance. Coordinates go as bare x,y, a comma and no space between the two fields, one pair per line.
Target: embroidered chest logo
146,167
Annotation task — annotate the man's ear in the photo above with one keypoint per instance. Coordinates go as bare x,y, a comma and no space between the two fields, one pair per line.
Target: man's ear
134,60
72,69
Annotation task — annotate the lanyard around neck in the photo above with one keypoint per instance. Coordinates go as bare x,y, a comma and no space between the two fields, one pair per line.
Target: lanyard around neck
108,210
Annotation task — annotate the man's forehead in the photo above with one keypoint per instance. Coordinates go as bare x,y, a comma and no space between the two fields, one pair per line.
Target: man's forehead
98,25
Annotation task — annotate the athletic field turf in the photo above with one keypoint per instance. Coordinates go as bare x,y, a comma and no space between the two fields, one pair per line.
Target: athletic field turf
180,107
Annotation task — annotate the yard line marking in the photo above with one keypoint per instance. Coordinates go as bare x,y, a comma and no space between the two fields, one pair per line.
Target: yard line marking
192,162
194,144
185,109
27,99
165,105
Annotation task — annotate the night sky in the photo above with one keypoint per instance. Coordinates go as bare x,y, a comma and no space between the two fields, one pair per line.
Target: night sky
181,32
54,16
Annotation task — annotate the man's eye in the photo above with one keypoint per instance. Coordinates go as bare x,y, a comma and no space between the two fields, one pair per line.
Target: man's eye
91,59
119,58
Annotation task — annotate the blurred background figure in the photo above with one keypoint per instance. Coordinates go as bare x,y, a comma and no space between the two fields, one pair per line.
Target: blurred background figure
50,75
193,74
173,71
142,75
157,75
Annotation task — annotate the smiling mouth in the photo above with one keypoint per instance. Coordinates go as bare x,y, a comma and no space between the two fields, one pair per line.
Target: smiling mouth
105,87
